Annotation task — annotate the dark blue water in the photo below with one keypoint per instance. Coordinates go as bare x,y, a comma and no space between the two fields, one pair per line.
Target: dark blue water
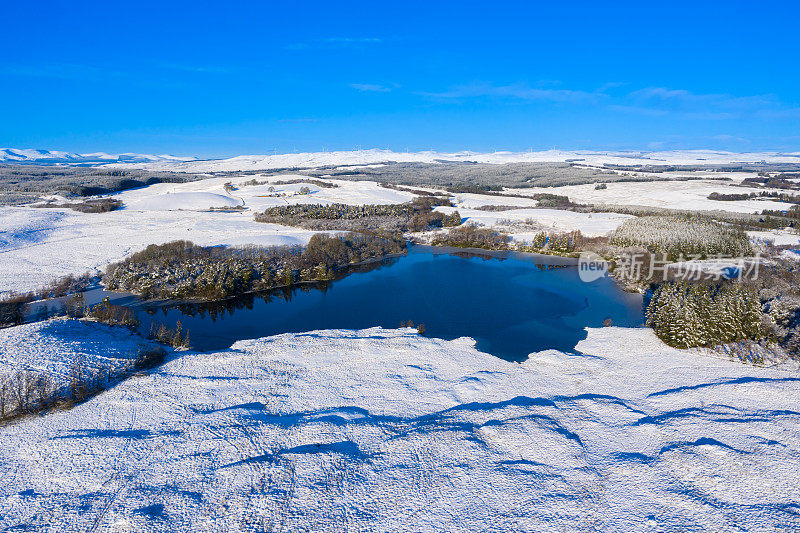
511,307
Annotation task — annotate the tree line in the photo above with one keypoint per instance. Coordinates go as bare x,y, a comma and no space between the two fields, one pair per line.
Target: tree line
416,215
184,270
24,391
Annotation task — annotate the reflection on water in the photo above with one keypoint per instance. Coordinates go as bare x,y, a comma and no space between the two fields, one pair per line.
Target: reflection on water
511,307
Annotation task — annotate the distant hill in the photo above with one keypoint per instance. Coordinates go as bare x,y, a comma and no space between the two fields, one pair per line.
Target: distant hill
629,158
55,157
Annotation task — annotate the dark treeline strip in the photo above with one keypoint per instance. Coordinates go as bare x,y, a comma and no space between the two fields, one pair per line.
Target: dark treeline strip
551,242
318,183
335,211
776,196
544,242
418,192
782,181
781,197
28,183
99,205
183,270
249,183
792,214
411,216
722,197
499,208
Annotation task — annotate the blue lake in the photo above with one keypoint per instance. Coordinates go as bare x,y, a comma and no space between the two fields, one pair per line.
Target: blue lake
511,307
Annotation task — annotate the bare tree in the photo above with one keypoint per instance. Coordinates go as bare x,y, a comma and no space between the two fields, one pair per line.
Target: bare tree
5,395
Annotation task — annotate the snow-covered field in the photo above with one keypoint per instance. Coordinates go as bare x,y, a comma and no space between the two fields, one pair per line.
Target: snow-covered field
590,224
387,430
52,346
199,195
691,195
779,238
37,245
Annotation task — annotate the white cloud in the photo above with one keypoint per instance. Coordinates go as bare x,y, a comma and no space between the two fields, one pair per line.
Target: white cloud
700,106
369,87
731,138
352,40
518,91
61,71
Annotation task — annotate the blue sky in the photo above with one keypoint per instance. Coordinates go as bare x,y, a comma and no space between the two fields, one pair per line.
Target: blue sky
220,79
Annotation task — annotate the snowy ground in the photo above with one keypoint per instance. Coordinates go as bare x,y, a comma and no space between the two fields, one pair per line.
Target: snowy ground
386,430
199,195
692,195
778,238
38,245
590,224
50,347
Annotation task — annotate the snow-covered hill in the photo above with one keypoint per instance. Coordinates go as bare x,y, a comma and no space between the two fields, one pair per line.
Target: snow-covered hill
54,157
385,430
377,157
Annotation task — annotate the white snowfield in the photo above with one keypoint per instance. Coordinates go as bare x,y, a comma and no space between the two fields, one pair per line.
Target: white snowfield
378,156
386,430
778,238
210,192
184,201
52,346
690,195
38,245
590,224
